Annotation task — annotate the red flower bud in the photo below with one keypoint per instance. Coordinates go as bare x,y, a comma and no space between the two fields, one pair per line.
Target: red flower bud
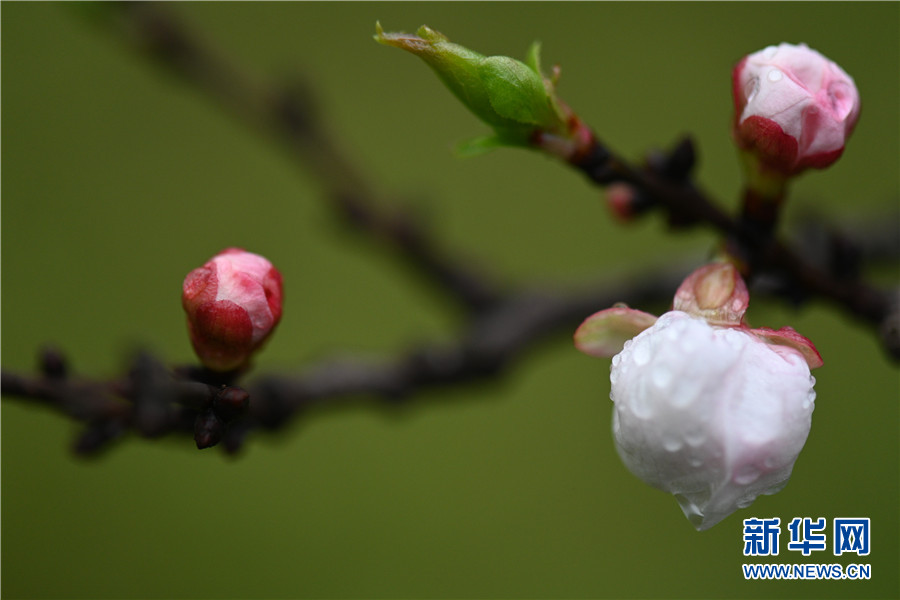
233,303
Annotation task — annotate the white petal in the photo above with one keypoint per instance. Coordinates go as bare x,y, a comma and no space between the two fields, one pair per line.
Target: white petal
712,415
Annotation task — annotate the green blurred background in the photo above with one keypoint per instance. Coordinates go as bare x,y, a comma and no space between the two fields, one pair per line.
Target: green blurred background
117,180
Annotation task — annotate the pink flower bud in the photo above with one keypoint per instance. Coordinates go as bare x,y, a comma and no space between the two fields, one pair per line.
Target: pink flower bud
233,303
622,200
794,108
706,408
713,415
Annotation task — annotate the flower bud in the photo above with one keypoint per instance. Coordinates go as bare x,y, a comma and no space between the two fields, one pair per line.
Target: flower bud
706,408
715,416
794,108
626,202
513,97
233,303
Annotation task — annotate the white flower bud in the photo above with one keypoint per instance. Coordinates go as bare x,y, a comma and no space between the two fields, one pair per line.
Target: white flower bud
714,415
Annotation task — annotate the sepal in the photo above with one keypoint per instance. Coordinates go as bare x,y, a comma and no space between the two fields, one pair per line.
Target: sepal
604,333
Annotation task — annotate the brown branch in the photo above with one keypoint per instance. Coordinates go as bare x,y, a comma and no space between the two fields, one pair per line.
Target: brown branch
153,401
665,183
288,114
503,324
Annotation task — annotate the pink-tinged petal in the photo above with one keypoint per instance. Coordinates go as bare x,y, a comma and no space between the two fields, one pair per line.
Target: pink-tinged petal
715,292
787,336
274,290
769,142
741,87
221,333
199,288
604,333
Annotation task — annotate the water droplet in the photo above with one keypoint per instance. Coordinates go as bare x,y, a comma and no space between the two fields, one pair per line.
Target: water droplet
672,444
641,354
695,462
746,474
616,360
695,438
810,399
682,397
775,76
693,512
661,377
640,406
770,51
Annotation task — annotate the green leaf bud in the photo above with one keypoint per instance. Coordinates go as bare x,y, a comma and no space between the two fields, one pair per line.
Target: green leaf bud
511,96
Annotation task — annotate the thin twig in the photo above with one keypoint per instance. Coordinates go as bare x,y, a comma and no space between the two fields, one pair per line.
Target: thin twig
503,323
153,401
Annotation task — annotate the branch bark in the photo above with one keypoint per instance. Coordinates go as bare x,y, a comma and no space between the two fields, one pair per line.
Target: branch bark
503,323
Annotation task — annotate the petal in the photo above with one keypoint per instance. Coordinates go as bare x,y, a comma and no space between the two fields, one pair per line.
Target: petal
776,148
787,336
604,333
715,292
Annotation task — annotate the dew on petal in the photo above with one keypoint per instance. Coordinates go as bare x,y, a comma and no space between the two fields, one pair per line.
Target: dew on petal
695,438
690,510
641,406
672,333
672,444
641,354
810,399
746,474
661,376
682,398
775,76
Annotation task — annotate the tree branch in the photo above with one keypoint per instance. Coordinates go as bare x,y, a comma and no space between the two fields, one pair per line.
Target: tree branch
503,323
153,401
665,183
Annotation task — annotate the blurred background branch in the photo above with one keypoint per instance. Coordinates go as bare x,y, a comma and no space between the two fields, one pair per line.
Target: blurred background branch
503,321
120,177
